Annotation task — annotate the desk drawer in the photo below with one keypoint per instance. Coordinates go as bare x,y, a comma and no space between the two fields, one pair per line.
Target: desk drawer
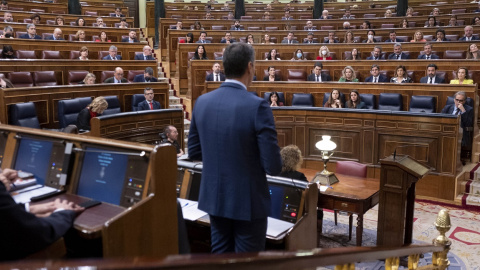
345,206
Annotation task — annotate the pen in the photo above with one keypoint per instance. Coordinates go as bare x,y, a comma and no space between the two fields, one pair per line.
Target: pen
185,205
330,187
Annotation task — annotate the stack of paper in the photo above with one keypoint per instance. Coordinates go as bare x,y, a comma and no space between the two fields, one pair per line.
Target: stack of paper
190,210
276,227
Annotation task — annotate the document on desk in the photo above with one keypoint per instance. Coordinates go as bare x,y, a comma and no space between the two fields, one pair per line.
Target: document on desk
190,210
276,227
24,195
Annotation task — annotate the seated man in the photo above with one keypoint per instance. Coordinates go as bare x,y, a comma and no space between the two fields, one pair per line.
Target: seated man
146,77
7,17
317,75
4,5
100,23
397,53
7,32
147,54
324,15
31,32
347,15
118,12
123,23
171,135
310,39
30,228
427,49
393,37
132,37
228,38
203,38
57,35
287,15
346,25
290,39
112,54
216,75
432,77
117,77
376,76
309,26
179,25
149,103
468,34
331,37
466,113
236,26
376,53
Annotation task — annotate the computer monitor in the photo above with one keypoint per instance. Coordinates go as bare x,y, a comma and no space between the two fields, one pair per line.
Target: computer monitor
111,175
286,198
42,157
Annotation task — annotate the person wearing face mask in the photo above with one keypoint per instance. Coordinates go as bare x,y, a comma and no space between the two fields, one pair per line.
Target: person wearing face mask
8,52
370,37
298,55
324,54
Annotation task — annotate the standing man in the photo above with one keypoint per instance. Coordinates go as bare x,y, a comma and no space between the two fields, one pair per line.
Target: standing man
216,75
149,103
233,133
317,75
432,77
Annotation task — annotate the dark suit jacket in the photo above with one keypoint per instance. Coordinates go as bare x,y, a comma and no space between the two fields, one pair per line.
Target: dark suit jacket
396,40
119,57
112,80
294,175
432,56
465,122
83,119
286,41
127,39
464,38
51,38
143,106
141,78
26,36
437,80
232,40
209,77
334,41
233,133
24,233
277,78
325,77
381,78
141,57
403,56
313,41
233,28
115,15
206,41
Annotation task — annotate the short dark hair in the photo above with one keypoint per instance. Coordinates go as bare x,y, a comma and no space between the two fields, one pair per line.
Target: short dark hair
167,129
371,30
149,70
375,66
203,32
147,89
318,64
236,58
392,31
428,44
432,65
440,30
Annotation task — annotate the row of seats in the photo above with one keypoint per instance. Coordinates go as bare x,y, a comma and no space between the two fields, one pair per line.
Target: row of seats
47,54
71,37
386,101
73,23
49,78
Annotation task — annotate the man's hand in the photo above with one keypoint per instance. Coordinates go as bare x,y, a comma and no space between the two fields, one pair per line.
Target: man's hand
181,153
461,108
46,209
7,176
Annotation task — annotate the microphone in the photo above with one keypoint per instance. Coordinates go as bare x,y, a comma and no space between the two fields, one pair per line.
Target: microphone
141,154
402,146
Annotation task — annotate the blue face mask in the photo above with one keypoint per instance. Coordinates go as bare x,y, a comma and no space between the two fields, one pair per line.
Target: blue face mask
299,55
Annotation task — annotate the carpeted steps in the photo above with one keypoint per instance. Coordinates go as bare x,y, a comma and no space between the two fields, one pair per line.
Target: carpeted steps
471,196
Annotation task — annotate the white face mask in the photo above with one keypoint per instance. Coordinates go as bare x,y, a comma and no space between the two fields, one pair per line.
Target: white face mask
370,36
324,52
299,55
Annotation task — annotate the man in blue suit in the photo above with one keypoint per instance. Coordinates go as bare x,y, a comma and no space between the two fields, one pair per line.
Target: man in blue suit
112,54
145,77
376,76
146,55
31,32
57,35
397,53
233,133
149,103
468,34
432,77
427,49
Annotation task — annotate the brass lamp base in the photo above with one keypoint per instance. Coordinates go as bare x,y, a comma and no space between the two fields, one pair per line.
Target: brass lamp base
325,179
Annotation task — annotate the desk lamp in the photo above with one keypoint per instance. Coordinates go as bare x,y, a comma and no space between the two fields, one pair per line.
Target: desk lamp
325,177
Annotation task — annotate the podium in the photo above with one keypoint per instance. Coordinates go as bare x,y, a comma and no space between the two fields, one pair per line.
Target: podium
398,177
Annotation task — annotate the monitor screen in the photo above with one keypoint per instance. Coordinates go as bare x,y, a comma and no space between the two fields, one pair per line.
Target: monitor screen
112,176
33,155
285,201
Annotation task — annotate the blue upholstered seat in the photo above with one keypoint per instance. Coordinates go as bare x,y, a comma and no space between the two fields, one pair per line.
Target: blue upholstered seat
68,110
370,100
137,98
423,104
390,101
113,105
305,100
24,115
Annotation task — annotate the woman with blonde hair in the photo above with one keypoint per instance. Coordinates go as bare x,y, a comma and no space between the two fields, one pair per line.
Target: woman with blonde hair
324,53
94,109
89,79
348,75
80,35
418,37
472,52
292,161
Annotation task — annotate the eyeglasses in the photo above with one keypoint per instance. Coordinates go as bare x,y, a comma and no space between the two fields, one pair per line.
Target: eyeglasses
149,94
460,100
119,74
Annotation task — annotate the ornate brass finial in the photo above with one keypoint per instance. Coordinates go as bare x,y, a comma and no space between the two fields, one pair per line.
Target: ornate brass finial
443,225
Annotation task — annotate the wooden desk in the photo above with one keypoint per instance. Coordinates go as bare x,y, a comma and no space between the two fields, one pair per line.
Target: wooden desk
352,194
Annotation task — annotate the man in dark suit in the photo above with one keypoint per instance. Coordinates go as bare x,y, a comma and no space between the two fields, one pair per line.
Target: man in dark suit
216,75
468,34
376,76
228,38
117,77
317,75
236,26
309,39
24,231
132,37
147,54
393,37
233,133
331,37
290,39
431,77
31,32
203,38
149,103
146,77
427,49
466,122
112,54
118,13
397,53
57,35
376,54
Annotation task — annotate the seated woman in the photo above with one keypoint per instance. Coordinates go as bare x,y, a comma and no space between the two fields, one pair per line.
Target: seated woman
334,100
80,21
388,13
272,55
418,37
409,12
123,23
370,37
440,35
476,20
453,21
472,52
355,101
271,77
400,75
197,25
348,38
291,161
59,20
250,39
404,23
274,100
94,109
200,53
266,39
80,35
89,79
431,22
103,37
83,53
462,77
348,75
324,53
355,55
298,55
8,53
188,38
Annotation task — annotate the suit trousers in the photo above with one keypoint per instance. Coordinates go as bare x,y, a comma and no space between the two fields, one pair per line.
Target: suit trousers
232,235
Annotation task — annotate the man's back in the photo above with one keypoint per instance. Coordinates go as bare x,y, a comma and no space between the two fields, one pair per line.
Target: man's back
233,132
